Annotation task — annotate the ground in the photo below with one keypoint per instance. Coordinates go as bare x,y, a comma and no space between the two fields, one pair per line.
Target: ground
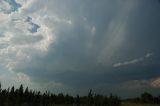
134,104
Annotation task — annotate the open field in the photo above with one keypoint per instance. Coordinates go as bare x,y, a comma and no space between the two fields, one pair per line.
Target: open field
123,104
135,104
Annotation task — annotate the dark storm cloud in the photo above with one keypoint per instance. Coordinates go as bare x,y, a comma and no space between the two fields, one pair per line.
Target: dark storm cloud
103,33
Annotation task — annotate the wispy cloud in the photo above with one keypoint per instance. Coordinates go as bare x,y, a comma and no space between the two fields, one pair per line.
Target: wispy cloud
134,61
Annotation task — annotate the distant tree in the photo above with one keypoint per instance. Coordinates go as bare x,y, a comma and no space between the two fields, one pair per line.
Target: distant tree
54,99
12,96
106,100
69,99
20,94
84,100
77,100
20,91
146,98
90,97
0,95
98,100
0,87
60,98
28,97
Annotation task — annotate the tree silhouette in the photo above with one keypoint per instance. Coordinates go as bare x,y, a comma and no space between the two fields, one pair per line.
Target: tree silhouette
77,100
146,98
27,97
90,98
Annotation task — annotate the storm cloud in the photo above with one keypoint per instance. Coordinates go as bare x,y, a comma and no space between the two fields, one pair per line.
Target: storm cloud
73,46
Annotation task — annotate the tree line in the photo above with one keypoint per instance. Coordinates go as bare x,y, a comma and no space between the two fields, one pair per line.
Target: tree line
145,98
27,97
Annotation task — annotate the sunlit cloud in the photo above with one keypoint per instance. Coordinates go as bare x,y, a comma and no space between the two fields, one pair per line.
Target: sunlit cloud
134,61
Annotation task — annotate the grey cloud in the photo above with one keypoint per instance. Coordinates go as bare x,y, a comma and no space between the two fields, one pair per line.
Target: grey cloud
91,36
71,53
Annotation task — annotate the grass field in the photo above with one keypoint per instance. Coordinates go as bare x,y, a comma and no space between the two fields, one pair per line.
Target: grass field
135,104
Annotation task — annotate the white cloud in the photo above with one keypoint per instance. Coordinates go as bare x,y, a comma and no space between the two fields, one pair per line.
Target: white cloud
21,45
25,39
128,62
23,78
134,61
141,84
5,6
135,84
9,6
155,83
26,6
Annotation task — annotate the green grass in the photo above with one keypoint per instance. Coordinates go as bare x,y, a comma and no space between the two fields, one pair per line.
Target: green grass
137,104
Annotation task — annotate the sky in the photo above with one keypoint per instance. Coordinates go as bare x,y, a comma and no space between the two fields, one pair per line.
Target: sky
72,46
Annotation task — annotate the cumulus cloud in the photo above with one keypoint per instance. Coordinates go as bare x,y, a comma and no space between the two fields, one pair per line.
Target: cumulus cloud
22,38
9,6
